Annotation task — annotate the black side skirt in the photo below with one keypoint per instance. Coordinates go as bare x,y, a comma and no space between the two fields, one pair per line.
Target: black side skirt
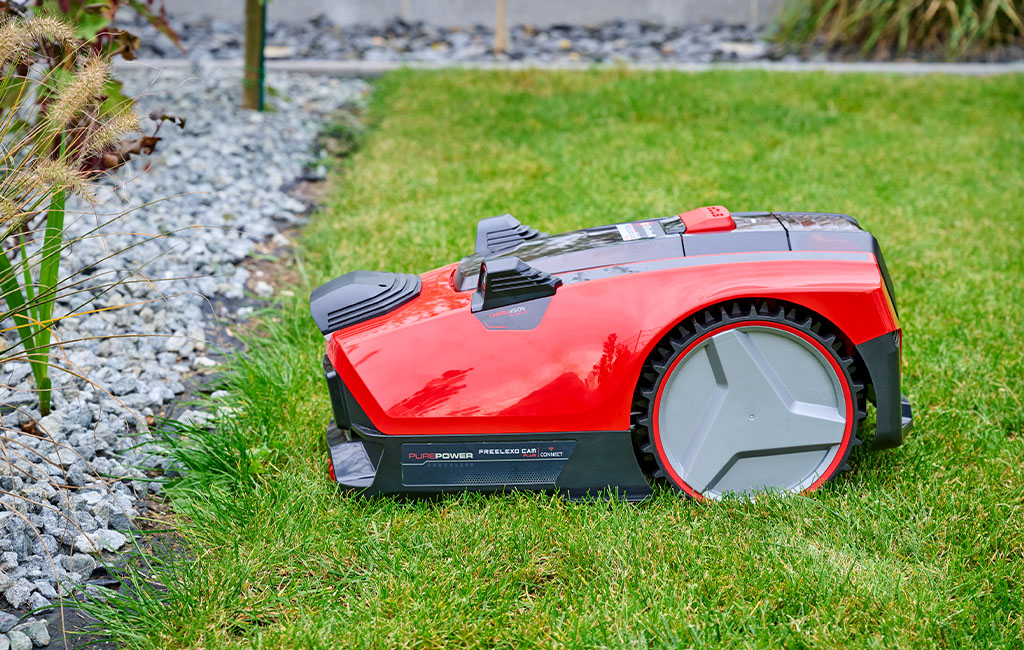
578,465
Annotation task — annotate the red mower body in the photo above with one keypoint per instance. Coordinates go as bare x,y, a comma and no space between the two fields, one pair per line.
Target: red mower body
545,339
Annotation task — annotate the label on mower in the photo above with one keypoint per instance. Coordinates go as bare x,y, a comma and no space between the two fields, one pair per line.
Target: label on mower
485,463
642,230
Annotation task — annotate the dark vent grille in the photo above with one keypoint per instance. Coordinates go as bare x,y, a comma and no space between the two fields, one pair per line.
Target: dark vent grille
499,234
509,238
359,296
509,280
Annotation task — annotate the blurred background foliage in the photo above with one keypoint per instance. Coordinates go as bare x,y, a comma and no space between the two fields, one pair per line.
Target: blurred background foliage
891,28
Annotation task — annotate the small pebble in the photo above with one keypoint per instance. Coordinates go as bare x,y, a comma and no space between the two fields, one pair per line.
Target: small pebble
19,640
7,622
36,630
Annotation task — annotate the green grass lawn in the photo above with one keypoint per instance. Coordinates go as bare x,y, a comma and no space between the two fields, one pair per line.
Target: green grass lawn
919,546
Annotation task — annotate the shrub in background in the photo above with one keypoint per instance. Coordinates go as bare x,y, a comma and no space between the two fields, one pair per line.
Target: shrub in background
884,28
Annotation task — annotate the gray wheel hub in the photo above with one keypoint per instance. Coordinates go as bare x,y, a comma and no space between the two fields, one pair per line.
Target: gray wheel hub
752,408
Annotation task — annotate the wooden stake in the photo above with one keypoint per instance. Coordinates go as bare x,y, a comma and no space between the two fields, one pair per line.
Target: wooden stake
255,34
500,27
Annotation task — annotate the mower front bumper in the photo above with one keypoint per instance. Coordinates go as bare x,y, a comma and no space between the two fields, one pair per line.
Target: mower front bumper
894,417
908,415
350,463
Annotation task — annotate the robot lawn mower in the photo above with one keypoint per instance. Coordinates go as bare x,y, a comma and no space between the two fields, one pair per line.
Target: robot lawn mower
724,353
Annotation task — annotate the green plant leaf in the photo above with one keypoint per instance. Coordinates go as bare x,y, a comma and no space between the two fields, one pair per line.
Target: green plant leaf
90,24
17,307
49,267
116,101
13,91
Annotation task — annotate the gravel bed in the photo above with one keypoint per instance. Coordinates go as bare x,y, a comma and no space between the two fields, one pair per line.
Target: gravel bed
71,487
626,41
622,40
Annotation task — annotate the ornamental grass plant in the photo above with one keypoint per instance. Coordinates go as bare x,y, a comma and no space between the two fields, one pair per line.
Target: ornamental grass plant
53,129
59,133
949,29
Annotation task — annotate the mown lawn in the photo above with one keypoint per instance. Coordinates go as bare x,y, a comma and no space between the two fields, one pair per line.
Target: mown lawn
919,546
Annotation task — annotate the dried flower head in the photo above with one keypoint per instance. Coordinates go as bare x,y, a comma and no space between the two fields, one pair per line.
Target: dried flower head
50,28
12,41
17,35
78,95
113,130
9,210
49,176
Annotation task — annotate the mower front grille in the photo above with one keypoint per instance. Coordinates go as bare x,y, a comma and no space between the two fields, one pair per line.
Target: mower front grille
405,287
501,234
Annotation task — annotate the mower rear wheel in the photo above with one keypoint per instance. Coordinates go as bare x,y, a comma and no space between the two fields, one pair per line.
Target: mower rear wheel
748,398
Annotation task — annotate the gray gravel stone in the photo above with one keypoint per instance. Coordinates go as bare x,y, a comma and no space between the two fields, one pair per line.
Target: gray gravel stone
45,589
79,563
38,602
119,520
101,540
36,630
7,622
52,425
5,642
18,593
19,640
